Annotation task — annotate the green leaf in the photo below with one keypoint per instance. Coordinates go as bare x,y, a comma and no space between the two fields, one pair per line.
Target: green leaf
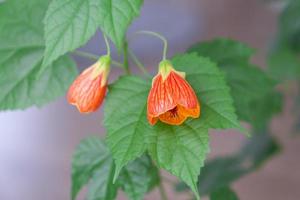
179,149
284,64
138,177
289,26
253,92
265,108
116,16
92,160
222,172
125,120
21,54
258,150
69,24
220,50
224,194
208,82
249,85
93,165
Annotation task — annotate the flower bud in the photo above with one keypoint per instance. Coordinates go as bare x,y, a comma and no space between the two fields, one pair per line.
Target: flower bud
89,88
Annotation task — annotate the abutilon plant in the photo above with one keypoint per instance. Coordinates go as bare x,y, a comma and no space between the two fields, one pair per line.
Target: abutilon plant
149,127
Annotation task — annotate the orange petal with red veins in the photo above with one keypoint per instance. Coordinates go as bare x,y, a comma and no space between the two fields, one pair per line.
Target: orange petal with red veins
179,114
89,88
170,94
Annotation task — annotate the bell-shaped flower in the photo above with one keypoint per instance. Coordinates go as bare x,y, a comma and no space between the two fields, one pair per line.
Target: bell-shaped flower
89,88
171,99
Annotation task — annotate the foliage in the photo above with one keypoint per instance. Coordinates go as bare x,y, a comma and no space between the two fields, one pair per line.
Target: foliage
284,63
222,172
93,164
224,194
21,55
178,149
35,37
71,23
251,87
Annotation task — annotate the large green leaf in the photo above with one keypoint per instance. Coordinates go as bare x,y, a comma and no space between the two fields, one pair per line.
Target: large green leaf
220,50
284,64
129,133
224,194
125,119
116,16
179,149
21,54
68,25
253,92
92,160
249,85
93,165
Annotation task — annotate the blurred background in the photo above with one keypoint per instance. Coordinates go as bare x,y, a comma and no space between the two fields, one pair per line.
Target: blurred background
37,144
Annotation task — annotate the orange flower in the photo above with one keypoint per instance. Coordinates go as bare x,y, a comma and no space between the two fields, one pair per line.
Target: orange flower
171,99
88,90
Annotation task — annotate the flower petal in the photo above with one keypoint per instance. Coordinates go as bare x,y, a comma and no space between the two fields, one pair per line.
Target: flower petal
88,91
160,97
179,114
167,94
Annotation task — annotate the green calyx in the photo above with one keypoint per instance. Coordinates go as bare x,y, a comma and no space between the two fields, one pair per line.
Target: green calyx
104,61
102,66
165,67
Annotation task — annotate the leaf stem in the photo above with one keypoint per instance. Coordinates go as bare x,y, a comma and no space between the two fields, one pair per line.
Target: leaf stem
86,55
138,63
125,61
95,57
107,44
162,192
158,36
117,64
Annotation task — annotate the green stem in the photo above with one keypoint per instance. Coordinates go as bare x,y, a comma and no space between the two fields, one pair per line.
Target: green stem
160,37
125,61
95,57
162,192
107,44
138,63
117,64
86,55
